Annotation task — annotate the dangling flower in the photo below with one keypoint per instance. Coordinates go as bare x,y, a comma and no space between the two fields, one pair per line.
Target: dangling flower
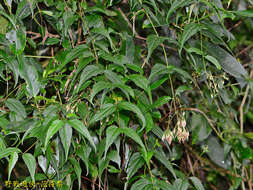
180,131
168,136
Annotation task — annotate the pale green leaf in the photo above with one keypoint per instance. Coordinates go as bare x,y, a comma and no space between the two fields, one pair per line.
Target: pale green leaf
66,136
30,74
112,133
214,61
16,106
135,163
53,129
30,163
12,162
6,152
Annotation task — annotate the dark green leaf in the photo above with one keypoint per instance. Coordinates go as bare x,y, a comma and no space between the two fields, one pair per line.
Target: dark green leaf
88,72
79,127
196,182
131,107
105,111
227,61
153,42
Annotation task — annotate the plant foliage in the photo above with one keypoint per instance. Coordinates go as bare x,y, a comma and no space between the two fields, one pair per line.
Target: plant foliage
137,94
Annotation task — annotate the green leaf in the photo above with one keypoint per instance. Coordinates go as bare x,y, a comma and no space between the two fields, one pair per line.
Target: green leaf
16,106
181,89
131,107
83,152
161,101
164,185
160,69
181,184
97,87
124,88
101,9
153,41
6,152
19,37
249,135
158,83
112,133
142,184
77,169
30,163
113,77
197,184
140,81
79,127
87,73
24,9
116,59
66,136
189,31
178,4
162,158
216,152
13,160
78,51
105,111
143,83
228,63
214,61
133,135
2,143
135,163
30,74
53,128
12,63
244,13
130,48
200,128
183,73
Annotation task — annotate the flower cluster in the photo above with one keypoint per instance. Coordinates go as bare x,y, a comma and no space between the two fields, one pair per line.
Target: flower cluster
178,132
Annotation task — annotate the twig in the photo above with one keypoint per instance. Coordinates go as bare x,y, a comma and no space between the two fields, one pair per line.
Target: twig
243,102
244,50
234,26
91,181
130,25
190,163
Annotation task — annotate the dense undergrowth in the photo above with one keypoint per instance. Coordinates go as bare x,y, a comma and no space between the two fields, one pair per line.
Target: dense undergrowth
115,94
